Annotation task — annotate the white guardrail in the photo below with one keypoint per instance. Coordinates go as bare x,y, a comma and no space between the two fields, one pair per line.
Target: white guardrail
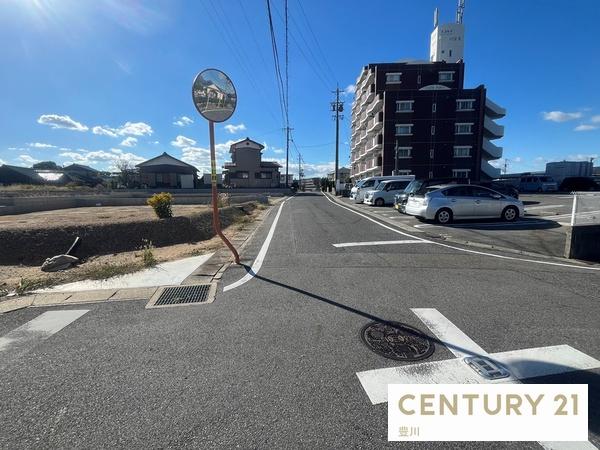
586,208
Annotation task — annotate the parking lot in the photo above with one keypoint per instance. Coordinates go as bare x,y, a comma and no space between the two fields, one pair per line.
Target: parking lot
541,232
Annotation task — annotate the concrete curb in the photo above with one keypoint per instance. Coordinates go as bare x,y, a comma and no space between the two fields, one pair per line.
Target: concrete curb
478,245
73,298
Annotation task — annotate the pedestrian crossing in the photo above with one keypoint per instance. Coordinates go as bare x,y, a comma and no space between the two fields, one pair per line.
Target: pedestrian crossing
23,339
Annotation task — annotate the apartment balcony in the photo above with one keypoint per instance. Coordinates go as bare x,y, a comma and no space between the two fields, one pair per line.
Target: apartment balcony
491,129
375,124
370,93
374,144
491,149
489,170
376,106
494,110
363,138
366,77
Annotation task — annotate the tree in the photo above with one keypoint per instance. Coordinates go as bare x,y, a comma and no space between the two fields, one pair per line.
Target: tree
126,169
46,165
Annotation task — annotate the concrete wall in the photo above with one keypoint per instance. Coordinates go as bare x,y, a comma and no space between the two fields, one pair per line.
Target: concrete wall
583,243
23,205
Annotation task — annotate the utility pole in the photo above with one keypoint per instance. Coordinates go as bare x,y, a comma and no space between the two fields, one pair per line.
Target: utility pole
505,166
337,107
300,171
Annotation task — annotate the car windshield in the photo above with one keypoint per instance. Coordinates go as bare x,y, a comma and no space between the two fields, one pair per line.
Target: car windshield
413,186
381,186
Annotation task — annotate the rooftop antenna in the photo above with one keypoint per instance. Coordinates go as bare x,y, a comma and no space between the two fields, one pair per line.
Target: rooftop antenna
460,11
436,15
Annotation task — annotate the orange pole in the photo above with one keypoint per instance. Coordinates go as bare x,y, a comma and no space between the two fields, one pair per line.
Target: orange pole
213,181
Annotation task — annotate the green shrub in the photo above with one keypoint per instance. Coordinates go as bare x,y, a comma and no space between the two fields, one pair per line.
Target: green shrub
161,203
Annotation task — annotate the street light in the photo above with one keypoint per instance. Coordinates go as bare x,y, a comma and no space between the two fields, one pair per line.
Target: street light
215,99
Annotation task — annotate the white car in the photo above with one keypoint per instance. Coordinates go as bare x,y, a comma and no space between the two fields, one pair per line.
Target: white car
357,193
463,201
385,191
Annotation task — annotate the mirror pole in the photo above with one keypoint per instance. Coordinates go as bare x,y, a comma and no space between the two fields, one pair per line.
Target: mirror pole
213,182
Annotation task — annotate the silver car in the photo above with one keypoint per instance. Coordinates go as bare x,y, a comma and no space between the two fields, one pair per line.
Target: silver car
463,201
384,192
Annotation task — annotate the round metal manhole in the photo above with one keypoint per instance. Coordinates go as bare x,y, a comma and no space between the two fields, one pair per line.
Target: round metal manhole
397,341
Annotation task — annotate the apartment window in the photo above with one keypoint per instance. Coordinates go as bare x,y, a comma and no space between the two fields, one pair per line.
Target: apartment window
461,173
404,106
465,105
430,174
391,78
404,129
433,107
431,153
244,175
450,52
403,152
462,151
432,130
445,77
403,172
463,128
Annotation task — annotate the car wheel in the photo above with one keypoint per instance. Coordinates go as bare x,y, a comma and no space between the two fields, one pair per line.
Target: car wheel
510,214
443,216
379,202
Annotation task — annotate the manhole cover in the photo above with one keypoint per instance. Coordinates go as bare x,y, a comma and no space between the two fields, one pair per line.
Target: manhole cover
397,341
183,295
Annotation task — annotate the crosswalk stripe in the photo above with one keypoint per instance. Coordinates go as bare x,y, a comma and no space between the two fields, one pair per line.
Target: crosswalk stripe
27,336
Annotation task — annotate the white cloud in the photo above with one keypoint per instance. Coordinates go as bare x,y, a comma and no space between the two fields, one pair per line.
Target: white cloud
129,142
232,129
105,131
28,159
560,116
350,89
199,157
582,157
182,141
40,145
2,162
101,158
183,121
128,129
58,121
586,127
595,119
311,170
279,151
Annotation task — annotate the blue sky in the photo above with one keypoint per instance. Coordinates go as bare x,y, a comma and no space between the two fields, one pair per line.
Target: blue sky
98,81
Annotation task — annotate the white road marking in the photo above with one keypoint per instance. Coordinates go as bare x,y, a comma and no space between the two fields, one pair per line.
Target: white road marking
475,252
446,331
30,334
358,244
257,264
543,207
522,364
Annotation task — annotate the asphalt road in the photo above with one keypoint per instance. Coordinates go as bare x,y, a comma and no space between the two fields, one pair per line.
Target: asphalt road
273,362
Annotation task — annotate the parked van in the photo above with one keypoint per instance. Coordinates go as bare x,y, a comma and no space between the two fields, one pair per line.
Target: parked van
357,193
384,193
537,183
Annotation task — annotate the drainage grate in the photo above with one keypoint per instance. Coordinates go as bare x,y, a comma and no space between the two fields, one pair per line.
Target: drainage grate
397,341
180,295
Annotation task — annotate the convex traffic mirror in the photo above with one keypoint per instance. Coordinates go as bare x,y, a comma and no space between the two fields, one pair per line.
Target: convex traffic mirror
214,95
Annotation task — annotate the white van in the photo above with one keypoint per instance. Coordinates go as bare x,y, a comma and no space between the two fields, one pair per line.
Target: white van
357,193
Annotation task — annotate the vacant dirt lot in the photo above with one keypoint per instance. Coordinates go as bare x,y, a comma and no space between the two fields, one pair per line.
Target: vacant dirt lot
26,278
91,216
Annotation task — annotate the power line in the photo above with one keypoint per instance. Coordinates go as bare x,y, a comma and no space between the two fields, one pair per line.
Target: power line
310,29
276,62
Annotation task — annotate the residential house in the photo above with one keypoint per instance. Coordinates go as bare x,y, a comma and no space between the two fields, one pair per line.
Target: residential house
19,175
165,171
247,170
